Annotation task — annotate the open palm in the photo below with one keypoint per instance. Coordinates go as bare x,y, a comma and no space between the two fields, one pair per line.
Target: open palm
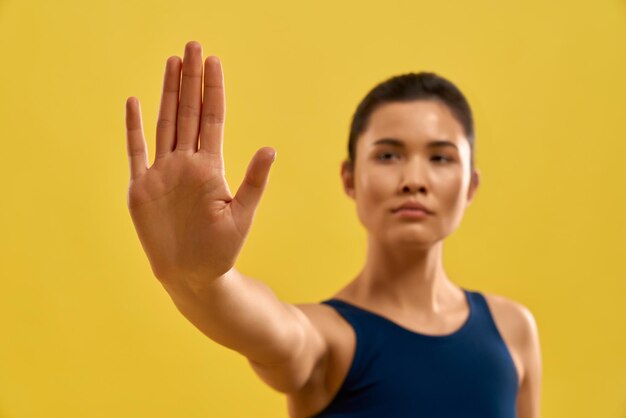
189,224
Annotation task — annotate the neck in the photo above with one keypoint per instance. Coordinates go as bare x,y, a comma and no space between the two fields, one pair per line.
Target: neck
405,278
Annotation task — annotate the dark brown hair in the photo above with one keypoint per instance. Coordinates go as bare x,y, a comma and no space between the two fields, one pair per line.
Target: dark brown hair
409,87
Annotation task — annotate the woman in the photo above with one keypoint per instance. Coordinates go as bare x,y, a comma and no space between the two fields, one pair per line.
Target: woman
401,339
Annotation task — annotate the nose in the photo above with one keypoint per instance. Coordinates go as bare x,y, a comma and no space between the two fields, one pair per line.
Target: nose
414,177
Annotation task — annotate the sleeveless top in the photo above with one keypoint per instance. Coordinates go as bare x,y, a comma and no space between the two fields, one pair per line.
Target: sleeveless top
400,373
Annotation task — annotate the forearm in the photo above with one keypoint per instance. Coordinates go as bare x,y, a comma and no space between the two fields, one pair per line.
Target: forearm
242,314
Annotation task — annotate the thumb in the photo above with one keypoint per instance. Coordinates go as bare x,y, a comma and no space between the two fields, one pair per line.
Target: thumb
251,189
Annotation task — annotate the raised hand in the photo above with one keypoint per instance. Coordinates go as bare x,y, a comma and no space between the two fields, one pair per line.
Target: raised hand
190,226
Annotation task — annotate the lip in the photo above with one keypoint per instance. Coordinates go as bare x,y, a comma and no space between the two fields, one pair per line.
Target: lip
412,206
411,213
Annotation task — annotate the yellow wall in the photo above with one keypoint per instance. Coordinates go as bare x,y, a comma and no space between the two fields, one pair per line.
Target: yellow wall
87,331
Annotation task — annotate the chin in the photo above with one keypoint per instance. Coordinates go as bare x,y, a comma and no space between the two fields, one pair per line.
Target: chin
411,239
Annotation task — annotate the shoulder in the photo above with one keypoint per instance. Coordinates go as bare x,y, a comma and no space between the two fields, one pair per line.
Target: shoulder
333,329
516,316
327,321
518,326
331,363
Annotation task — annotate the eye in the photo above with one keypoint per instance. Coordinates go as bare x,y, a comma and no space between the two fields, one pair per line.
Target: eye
378,157
440,157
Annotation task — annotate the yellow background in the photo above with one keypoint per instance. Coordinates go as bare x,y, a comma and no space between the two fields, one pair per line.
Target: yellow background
87,331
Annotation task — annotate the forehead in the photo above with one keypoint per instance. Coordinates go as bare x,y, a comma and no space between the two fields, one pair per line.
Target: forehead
413,122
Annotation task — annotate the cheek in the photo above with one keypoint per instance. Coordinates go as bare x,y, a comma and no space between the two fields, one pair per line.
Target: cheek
372,188
373,197
451,191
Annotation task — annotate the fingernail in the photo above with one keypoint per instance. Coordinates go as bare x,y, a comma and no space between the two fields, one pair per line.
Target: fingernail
274,156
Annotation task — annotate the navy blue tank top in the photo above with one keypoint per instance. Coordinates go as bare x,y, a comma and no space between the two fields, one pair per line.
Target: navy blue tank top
400,373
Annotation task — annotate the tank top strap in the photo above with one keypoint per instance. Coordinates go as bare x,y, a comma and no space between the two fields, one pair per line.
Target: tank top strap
485,326
370,340
484,323
364,323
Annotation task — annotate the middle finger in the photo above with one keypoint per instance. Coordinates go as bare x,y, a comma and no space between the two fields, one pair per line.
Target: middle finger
190,99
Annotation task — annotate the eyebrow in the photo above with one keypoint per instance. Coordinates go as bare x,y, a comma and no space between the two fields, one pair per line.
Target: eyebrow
432,144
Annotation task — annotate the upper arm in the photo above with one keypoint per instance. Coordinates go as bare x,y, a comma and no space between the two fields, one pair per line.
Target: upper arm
528,400
309,348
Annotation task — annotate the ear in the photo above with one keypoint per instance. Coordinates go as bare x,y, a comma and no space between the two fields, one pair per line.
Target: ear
347,177
474,181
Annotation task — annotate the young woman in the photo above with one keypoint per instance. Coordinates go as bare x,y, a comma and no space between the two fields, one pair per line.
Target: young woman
399,340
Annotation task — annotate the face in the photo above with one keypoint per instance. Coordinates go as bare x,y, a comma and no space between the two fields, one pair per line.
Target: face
397,160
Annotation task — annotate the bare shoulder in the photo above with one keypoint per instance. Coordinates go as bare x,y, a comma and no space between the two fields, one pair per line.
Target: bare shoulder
518,327
516,315
331,364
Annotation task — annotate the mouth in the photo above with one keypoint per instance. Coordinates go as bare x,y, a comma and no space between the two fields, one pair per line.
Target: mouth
412,205
411,213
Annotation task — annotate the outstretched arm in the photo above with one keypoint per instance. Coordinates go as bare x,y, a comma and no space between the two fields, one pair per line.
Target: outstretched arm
192,229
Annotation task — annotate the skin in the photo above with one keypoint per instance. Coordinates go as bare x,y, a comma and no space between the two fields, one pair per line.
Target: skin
403,278
192,229
190,225
403,272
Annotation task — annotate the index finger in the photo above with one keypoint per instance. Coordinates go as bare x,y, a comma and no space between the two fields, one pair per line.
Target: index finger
135,140
213,108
